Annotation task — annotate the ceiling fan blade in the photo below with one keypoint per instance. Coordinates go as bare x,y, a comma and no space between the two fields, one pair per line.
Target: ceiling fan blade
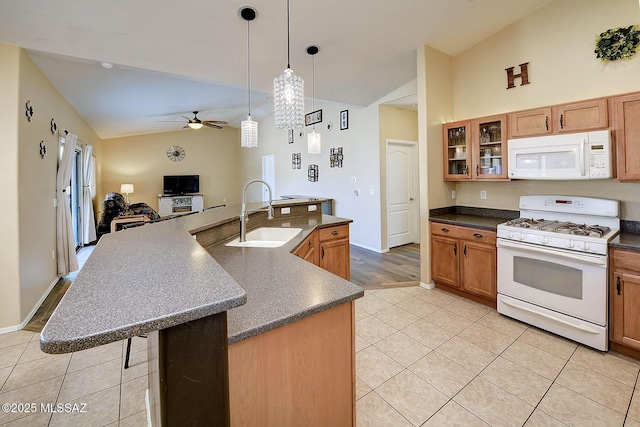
185,127
211,125
189,119
170,121
216,122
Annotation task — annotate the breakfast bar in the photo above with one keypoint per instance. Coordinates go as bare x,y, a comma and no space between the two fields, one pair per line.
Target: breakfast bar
240,311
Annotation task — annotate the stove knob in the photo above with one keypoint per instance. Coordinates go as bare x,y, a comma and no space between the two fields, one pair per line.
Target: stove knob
586,246
569,244
544,240
522,236
511,234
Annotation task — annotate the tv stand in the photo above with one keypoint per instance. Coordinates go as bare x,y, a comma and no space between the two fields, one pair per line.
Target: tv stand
178,205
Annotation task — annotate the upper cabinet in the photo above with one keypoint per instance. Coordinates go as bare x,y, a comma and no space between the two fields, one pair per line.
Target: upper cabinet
530,123
574,117
476,149
627,136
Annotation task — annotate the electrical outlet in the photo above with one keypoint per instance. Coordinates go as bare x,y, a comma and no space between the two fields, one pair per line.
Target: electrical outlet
453,194
372,192
53,254
285,211
483,194
312,208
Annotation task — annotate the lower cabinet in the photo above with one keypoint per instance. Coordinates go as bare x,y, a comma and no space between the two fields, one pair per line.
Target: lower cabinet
624,288
464,260
328,248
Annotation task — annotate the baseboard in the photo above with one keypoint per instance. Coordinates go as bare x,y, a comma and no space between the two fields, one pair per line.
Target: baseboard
32,313
380,251
428,285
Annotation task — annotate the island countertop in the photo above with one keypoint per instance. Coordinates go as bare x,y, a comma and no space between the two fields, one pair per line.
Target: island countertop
158,276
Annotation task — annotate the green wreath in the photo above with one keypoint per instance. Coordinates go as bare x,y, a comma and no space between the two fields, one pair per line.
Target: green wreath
618,43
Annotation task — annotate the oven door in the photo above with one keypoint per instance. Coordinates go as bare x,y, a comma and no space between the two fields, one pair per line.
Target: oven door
564,281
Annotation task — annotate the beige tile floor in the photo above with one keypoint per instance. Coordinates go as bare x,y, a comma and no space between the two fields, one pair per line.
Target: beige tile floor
422,358
429,358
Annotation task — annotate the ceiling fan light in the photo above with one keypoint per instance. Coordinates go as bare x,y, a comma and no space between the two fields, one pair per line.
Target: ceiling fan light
314,142
288,93
249,133
195,125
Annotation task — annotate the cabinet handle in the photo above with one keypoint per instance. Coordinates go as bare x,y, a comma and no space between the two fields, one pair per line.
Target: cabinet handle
334,232
477,169
546,122
561,121
455,249
618,285
446,230
478,235
323,252
465,250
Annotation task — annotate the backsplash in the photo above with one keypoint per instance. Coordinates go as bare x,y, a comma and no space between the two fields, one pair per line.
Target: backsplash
470,210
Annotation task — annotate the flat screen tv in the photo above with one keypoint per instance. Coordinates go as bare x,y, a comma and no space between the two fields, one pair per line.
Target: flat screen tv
176,185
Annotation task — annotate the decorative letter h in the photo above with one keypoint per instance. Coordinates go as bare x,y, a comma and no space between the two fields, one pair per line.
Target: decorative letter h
524,76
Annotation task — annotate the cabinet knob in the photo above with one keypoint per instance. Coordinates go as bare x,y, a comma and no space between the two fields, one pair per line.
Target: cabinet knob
310,242
478,235
334,232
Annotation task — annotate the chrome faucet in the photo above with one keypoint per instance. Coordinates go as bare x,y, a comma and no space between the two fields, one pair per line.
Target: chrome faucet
244,213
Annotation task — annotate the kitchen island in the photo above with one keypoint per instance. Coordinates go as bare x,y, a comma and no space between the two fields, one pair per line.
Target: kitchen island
296,315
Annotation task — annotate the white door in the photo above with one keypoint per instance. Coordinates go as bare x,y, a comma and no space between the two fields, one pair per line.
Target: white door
402,192
269,176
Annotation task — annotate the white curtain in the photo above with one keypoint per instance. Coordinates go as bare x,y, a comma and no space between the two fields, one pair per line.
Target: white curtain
65,244
88,221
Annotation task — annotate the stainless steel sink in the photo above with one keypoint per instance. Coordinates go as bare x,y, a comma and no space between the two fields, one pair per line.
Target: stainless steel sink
267,237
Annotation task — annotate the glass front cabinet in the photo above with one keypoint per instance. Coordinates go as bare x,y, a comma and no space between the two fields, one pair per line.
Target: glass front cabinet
476,149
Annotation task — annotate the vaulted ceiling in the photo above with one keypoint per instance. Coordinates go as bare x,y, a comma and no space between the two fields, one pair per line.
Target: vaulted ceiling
173,57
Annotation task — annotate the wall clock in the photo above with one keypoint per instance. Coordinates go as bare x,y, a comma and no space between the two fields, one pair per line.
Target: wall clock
175,153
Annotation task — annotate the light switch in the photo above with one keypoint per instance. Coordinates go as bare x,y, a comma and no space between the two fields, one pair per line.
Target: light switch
372,192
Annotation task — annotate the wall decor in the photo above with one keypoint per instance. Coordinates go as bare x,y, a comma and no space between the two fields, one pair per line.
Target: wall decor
29,111
290,136
335,158
617,43
43,150
296,161
329,126
54,127
313,173
313,118
175,153
344,119
523,75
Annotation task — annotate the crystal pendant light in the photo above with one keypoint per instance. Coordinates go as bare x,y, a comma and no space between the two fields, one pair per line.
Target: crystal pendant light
288,94
248,127
314,140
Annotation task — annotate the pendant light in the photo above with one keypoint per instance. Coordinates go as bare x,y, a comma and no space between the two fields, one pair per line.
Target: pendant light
314,143
248,127
288,94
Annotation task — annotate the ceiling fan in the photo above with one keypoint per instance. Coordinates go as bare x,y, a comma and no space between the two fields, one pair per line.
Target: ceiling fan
196,123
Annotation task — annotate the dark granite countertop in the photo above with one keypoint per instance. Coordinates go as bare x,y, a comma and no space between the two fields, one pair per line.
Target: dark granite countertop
157,276
482,218
630,241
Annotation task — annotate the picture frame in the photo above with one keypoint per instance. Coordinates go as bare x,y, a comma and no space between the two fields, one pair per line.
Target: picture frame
290,136
313,117
344,119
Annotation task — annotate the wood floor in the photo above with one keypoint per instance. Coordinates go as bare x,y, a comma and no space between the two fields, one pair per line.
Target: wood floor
370,270
398,267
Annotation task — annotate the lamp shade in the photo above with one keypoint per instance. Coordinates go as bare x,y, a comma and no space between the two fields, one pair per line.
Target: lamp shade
288,93
195,125
126,188
314,142
248,133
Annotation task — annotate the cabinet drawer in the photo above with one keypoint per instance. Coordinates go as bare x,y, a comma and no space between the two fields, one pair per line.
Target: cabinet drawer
464,233
626,260
331,233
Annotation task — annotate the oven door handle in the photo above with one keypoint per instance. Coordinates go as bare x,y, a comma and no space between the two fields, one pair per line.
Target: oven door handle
514,304
600,260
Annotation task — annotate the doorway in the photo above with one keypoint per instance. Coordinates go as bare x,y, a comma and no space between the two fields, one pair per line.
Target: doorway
269,176
403,225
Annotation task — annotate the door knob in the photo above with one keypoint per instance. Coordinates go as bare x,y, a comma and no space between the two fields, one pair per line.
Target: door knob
411,199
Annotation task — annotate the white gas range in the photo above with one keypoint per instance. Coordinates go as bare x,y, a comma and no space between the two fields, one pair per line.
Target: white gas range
552,265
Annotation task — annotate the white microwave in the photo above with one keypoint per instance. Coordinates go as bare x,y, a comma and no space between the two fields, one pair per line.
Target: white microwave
585,155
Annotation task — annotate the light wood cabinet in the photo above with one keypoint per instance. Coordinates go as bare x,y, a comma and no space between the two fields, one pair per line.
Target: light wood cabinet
624,298
627,136
476,149
328,248
334,250
572,117
464,260
530,123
